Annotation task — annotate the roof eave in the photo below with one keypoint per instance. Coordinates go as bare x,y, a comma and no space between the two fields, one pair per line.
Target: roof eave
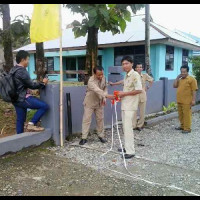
184,45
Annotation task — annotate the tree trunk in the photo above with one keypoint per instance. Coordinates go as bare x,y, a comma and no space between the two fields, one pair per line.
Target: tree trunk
147,39
40,61
7,41
91,51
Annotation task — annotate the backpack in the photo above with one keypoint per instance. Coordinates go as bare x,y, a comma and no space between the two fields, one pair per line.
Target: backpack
8,90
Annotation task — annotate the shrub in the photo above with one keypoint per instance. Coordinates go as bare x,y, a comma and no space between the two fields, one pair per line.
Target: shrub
195,60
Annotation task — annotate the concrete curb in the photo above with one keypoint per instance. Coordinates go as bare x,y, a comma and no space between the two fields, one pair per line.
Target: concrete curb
18,142
157,120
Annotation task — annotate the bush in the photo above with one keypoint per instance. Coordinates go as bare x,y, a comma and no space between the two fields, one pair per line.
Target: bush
171,107
195,60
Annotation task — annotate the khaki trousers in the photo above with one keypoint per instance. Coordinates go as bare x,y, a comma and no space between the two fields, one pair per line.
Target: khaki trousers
127,120
185,116
140,122
87,118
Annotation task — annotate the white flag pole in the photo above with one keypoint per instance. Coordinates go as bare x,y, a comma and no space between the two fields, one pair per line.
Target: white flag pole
61,83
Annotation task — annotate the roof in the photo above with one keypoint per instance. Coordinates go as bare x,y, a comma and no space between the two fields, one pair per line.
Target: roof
135,32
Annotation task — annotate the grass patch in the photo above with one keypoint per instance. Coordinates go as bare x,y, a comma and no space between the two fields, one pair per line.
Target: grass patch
30,115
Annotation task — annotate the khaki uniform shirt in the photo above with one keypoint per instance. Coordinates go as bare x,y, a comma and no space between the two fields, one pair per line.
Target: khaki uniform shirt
144,79
132,82
185,89
96,92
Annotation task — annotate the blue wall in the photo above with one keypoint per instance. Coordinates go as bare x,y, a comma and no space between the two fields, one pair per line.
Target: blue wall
157,53
107,59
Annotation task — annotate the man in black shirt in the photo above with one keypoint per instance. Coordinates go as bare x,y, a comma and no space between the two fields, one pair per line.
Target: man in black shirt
23,83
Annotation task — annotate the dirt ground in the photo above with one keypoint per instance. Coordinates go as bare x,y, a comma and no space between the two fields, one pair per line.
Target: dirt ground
38,172
7,119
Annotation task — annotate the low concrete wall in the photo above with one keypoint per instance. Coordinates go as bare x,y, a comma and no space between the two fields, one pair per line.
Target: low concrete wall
18,142
161,93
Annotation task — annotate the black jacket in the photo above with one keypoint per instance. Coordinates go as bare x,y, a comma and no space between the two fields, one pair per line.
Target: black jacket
23,82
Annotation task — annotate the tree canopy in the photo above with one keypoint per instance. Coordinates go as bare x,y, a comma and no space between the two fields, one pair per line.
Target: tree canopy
106,17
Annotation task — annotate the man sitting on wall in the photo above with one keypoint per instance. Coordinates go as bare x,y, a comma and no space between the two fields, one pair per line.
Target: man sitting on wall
186,98
94,102
23,83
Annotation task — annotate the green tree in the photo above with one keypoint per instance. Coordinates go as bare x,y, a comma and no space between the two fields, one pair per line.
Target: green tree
20,31
195,60
6,37
100,17
20,36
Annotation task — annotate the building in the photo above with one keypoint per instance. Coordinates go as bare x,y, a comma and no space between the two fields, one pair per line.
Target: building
197,39
169,50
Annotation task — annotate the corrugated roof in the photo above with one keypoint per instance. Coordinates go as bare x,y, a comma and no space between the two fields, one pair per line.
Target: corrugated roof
134,32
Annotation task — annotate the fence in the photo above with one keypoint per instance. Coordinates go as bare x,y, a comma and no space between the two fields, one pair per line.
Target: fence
161,93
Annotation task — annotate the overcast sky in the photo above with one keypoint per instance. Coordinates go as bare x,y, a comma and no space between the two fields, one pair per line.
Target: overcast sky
184,17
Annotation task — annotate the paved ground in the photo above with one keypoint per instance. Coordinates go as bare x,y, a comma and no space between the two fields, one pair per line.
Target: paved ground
167,163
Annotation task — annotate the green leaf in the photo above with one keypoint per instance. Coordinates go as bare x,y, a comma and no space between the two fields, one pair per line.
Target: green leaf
91,21
111,5
127,15
92,13
122,24
76,23
104,12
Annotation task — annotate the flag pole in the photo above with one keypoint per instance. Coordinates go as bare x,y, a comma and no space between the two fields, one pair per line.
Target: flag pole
61,84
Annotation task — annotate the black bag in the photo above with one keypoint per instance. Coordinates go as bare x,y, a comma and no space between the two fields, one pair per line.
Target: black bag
8,90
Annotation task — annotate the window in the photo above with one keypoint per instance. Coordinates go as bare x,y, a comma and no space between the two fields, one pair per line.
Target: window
169,59
185,57
137,53
71,65
50,64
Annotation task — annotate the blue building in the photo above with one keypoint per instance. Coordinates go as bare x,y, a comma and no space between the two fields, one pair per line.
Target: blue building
193,37
169,50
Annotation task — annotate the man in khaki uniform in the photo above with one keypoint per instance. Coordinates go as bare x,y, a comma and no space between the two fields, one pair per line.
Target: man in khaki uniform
129,103
137,125
186,98
94,102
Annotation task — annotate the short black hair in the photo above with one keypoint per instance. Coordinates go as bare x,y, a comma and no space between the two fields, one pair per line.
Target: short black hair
138,63
127,58
100,68
21,55
185,67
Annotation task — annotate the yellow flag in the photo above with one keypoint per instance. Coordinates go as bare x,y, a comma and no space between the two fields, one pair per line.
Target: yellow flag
45,23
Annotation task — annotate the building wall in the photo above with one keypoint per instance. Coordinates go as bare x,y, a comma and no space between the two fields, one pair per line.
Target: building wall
157,57
158,62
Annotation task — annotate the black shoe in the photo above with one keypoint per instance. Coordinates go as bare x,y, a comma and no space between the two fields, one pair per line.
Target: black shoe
102,140
83,141
179,129
139,129
120,150
186,132
129,156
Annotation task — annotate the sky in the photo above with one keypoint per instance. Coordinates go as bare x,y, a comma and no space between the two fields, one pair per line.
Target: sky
183,17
